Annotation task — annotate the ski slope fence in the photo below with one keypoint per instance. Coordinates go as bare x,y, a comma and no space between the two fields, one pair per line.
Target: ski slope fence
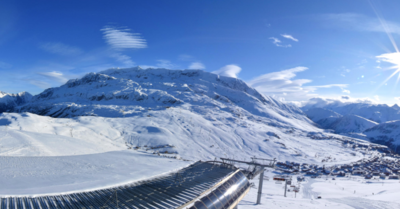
202,185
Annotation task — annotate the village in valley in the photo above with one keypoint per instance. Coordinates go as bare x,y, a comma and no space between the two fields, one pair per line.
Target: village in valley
385,166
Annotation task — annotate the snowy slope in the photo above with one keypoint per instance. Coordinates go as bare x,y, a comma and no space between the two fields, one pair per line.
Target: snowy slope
385,133
342,193
329,119
178,131
323,117
27,134
352,123
9,101
316,114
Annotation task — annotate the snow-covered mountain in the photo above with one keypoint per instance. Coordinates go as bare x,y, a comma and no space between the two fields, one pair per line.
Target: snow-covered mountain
190,113
359,119
385,133
9,101
329,119
379,113
323,117
351,123
126,92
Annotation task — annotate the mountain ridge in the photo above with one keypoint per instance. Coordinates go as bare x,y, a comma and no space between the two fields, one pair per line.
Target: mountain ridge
119,92
9,101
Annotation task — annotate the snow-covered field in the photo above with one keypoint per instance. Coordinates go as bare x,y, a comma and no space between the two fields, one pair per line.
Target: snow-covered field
354,192
34,176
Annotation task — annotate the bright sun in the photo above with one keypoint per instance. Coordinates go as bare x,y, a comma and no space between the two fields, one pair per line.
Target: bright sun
393,58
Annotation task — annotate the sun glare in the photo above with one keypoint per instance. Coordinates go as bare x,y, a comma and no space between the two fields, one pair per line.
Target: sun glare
394,59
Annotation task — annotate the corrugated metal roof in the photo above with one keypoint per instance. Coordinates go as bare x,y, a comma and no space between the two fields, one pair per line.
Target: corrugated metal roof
169,191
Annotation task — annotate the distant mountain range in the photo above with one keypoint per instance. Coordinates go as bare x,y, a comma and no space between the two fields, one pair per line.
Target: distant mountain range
374,122
379,113
9,101
385,133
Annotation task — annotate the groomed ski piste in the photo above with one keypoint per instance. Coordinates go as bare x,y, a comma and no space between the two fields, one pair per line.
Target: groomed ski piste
117,142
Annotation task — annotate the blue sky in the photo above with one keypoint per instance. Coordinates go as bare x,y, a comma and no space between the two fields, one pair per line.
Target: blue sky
293,50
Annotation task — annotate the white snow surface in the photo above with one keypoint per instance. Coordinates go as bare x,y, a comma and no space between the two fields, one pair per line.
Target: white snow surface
33,176
352,123
317,114
177,131
346,193
329,119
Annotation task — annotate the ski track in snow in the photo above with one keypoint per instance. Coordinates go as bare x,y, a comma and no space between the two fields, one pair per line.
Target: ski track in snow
307,190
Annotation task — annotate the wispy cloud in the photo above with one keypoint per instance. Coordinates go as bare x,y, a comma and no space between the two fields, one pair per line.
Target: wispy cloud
321,101
330,86
229,71
39,83
197,66
61,49
165,64
122,38
54,76
282,83
289,37
343,71
161,63
277,42
278,82
346,91
124,59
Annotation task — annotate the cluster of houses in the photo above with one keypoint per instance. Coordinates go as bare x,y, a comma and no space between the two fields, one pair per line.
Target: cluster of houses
377,167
